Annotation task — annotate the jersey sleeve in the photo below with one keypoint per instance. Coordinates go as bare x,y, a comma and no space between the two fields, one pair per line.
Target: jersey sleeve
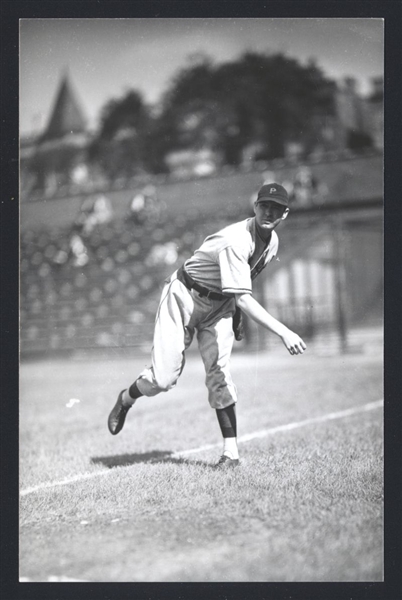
235,271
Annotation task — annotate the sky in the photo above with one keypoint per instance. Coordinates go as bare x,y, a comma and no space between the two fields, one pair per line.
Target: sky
107,57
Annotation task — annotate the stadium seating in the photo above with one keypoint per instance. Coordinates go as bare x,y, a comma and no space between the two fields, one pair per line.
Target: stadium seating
100,287
111,298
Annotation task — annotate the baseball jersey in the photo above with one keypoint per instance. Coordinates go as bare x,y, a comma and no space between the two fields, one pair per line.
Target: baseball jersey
230,259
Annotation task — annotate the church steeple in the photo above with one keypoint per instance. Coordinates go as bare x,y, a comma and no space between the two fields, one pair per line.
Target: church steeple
66,117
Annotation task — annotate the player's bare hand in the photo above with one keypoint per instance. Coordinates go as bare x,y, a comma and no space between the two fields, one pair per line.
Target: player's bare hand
293,342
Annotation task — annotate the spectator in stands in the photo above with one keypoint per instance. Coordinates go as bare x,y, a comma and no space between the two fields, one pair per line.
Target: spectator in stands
100,214
79,251
137,205
146,207
304,187
93,212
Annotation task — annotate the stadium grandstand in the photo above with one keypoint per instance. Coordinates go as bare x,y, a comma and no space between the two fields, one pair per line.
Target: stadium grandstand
94,253
99,286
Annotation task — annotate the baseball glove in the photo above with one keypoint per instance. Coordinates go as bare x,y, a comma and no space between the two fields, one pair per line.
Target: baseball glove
238,328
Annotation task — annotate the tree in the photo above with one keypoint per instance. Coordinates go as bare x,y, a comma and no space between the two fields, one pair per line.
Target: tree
260,98
119,146
264,100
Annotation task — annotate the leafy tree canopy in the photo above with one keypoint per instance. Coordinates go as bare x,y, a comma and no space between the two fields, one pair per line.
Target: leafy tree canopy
119,146
126,113
258,98
261,99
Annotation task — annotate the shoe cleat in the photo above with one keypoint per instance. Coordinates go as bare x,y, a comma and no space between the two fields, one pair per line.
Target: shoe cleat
118,415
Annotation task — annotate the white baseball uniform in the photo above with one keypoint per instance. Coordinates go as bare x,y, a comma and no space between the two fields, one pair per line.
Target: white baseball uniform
225,264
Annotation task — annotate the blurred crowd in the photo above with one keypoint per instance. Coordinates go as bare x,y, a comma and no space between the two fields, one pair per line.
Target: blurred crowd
98,283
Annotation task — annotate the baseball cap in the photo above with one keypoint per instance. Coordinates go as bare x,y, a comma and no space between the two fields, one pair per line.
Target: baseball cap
274,192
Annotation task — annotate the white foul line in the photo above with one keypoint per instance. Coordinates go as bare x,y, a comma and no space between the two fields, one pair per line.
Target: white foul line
244,438
264,432
51,484
329,417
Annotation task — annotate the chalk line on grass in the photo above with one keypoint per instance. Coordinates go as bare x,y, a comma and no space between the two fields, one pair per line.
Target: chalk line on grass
295,425
244,438
68,480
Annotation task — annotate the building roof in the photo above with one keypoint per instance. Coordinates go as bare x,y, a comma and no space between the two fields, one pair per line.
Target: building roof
66,117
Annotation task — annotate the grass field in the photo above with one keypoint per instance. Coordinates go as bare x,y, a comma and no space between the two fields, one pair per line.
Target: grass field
306,504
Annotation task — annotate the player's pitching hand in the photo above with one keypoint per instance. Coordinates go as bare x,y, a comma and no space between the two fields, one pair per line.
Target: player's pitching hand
293,342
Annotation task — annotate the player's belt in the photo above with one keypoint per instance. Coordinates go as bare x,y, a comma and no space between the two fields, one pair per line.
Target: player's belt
190,284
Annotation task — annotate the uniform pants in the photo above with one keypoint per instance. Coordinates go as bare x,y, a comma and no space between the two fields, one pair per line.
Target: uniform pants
181,314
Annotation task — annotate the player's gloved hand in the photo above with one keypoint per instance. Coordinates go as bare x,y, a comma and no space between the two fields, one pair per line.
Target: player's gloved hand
238,327
293,342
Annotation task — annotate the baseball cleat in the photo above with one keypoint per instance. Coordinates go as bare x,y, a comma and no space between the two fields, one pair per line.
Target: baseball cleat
226,463
117,417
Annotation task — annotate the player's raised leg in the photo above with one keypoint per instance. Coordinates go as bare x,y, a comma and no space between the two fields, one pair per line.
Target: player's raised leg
172,336
125,401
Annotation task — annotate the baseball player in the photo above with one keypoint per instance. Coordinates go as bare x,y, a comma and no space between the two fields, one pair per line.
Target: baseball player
205,298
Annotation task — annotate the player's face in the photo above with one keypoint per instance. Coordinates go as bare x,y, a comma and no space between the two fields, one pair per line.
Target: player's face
269,214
